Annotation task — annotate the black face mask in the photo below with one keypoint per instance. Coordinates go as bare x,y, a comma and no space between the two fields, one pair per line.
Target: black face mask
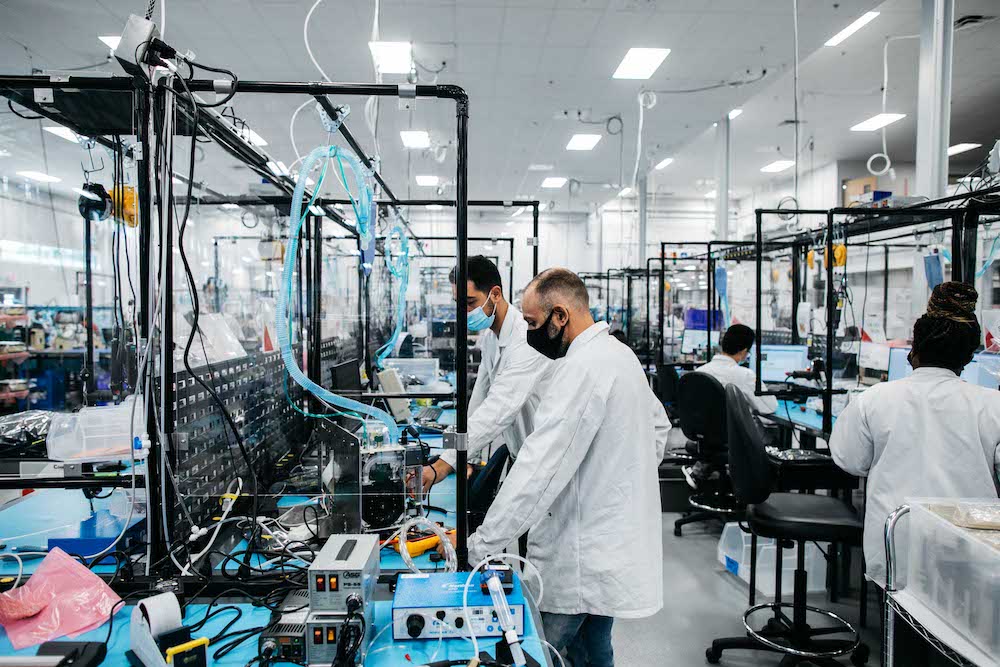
549,347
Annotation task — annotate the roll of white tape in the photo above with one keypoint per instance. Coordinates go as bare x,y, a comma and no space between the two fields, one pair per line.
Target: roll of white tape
162,613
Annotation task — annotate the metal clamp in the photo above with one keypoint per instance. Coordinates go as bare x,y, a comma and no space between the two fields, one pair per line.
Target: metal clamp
223,86
457,441
408,91
532,241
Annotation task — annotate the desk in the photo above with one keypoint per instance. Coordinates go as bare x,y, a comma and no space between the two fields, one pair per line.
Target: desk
791,416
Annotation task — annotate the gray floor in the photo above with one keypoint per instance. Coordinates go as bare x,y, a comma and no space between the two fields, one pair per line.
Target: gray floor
703,602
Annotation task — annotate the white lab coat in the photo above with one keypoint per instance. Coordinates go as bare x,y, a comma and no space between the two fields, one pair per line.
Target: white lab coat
512,378
586,485
727,371
929,435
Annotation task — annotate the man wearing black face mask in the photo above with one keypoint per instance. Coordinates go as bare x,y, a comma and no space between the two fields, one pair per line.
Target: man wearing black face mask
585,481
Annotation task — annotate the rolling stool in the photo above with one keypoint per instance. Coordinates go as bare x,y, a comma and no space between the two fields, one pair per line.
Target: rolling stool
786,517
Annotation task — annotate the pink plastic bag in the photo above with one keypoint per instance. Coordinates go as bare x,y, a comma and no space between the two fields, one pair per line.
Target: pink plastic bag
70,597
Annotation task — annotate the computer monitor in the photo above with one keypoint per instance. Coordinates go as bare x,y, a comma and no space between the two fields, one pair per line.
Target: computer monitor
693,340
982,370
390,383
777,361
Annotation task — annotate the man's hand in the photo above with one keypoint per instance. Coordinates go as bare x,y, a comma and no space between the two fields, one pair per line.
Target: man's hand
452,537
434,473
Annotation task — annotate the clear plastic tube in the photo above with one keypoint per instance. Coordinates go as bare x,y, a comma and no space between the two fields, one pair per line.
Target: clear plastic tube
450,557
400,269
362,212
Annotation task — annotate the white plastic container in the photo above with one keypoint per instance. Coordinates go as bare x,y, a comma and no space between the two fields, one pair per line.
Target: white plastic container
425,370
954,571
95,434
734,554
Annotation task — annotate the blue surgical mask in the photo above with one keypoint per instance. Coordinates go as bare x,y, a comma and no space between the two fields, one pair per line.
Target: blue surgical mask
479,320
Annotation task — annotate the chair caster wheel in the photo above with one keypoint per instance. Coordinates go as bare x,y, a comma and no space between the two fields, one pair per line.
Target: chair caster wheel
712,656
774,626
677,531
860,656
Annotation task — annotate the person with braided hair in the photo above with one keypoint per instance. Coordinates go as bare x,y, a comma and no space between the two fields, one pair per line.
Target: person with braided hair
928,435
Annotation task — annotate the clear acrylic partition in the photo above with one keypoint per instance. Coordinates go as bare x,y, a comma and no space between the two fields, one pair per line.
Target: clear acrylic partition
685,318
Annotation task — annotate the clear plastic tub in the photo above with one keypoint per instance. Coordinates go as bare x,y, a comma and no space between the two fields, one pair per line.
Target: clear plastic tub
955,571
95,434
734,554
424,370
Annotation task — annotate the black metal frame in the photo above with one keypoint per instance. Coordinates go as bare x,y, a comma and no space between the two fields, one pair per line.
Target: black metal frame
147,95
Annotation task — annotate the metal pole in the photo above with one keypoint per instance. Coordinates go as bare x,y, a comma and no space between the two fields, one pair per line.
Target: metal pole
663,274
831,306
218,292
88,295
711,305
643,216
534,238
461,329
934,88
167,376
796,293
885,293
760,287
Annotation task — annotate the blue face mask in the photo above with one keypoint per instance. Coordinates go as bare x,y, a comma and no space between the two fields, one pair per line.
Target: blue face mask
479,320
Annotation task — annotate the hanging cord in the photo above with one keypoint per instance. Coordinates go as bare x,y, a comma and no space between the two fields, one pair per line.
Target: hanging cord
795,97
400,269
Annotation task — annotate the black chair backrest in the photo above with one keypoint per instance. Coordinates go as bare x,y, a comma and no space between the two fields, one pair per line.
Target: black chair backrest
701,406
484,486
666,383
749,467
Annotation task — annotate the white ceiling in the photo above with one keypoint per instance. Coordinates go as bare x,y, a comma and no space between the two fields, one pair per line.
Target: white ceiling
524,63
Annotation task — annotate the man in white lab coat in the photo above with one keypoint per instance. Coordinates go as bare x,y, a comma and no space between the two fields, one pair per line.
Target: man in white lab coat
511,377
725,367
929,435
585,481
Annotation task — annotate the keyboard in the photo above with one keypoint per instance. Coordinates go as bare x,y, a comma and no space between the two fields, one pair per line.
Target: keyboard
428,414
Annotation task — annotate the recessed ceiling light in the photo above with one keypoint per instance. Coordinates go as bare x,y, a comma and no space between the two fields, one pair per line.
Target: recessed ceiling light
851,29
518,212
710,195
583,142
625,192
877,122
540,167
317,211
640,63
542,206
84,193
415,138
392,57
735,113
251,137
961,148
112,41
434,207
554,182
278,168
39,176
230,207
689,267
64,132
427,181
665,162
777,166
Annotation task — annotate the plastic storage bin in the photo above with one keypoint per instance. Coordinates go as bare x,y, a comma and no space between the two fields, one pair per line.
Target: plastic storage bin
95,434
424,370
734,555
955,571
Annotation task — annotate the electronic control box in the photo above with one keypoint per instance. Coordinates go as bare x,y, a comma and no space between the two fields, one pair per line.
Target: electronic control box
286,639
429,606
323,633
346,566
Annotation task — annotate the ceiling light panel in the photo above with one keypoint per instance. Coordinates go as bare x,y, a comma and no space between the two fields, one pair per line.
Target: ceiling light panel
583,142
111,41
640,63
64,132
427,181
735,113
540,167
877,122
553,182
777,166
39,176
961,148
392,57
851,29
415,138
665,162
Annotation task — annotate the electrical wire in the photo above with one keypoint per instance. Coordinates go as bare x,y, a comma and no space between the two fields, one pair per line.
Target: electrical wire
305,39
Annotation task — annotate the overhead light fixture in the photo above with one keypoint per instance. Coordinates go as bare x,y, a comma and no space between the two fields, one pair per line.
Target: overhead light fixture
415,138
735,113
392,57
434,207
877,122
710,195
625,192
553,182
851,29
518,212
246,259
112,41
961,148
542,206
689,267
665,162
88,195
64,132
540,167
317,211
230,207
251,137
777,166
583,142
428,181
640,63
39,176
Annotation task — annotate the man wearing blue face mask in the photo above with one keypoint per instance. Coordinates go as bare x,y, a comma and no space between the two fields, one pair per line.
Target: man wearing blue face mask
512,376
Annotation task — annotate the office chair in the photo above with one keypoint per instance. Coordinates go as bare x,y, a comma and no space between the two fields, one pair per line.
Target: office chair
786,517
484,486
666,389
702,408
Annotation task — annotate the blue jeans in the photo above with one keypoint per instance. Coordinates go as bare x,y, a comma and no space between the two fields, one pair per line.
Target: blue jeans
585,638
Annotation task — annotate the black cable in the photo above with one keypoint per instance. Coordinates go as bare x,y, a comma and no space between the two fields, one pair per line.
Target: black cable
226,99
722,84
10,105
114,610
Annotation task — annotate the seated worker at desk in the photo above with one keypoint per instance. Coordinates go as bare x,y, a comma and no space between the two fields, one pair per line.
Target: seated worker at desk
511,378
725,367
585,481
928,435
